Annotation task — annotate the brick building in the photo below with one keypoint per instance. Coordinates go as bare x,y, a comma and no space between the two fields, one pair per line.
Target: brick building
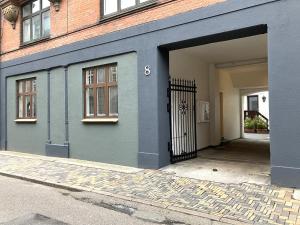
90,79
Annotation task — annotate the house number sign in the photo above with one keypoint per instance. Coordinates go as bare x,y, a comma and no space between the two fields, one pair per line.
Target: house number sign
147,70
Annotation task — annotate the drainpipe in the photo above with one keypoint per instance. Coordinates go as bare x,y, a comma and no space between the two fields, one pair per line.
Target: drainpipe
0,110
66,108
5,114
48,107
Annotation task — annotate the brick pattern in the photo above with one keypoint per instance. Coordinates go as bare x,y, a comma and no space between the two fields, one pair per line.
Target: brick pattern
232,203
77,14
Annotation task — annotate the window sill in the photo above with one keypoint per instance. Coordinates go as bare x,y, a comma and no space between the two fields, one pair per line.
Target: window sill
125,12
100,120
28,44
26,120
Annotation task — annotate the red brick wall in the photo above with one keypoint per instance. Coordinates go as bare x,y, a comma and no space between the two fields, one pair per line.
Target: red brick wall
77,14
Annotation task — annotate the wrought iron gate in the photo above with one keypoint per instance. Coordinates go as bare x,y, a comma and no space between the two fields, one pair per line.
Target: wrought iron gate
182,115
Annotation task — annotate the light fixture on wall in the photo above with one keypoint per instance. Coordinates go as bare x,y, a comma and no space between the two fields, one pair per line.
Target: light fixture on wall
11,13
56,4
264,98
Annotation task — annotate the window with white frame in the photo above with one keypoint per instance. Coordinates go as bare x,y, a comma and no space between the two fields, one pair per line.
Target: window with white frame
101,92
111,7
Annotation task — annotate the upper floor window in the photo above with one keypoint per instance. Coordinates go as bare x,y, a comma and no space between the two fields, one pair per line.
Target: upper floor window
26,99
111,7
35,20
101,92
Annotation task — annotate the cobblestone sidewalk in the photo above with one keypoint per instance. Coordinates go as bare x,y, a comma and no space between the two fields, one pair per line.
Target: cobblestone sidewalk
231,203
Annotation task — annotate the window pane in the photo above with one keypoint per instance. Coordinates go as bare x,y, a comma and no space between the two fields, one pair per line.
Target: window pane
113,74
46,23
89,77
34,106
26,30
34,85
89,102
36,6
101,75
28,86
27,106
20,87
45,3
20,106
36,27
113,100
110,6
127,3
101,99
26,11
253,103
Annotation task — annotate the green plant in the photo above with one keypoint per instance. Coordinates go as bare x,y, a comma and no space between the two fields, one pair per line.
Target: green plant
249,123
260,123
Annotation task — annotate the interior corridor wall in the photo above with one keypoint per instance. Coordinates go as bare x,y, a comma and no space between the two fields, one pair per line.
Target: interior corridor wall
188,67
231,106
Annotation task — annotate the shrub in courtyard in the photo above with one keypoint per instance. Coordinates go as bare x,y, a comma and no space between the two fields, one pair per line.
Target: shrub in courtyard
249,125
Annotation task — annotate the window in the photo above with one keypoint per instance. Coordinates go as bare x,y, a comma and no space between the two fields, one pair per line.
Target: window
26,99
101,92
111,7
35,20
253,103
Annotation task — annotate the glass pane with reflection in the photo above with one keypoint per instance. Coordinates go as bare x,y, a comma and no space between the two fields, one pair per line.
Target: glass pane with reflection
127,3
36,27
113,101
36,6
101,101
110,6
89,102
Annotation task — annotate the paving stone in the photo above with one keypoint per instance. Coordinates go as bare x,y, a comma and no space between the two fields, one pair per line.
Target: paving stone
232,203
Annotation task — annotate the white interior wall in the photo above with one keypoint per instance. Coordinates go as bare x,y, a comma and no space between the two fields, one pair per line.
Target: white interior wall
214,94
231,106
188,67
249,76
210,82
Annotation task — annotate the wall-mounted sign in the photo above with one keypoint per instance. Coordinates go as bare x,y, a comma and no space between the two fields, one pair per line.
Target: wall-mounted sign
147,70
202,112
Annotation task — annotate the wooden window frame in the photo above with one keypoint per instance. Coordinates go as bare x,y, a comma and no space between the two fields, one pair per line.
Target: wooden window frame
120,12
106,85
23,95
40,13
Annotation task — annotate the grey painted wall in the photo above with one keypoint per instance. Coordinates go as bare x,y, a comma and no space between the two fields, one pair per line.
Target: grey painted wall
284,80
57,106
112,143
27,137
188,29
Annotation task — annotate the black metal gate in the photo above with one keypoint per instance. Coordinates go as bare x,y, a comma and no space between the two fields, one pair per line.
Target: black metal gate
182,111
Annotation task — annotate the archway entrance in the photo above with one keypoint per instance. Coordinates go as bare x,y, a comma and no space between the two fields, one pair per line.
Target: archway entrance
222,72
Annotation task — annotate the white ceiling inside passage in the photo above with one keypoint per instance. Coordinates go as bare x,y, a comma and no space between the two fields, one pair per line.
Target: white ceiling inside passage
248,48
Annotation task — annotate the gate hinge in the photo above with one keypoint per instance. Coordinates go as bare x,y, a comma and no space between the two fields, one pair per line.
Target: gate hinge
169,147
169,107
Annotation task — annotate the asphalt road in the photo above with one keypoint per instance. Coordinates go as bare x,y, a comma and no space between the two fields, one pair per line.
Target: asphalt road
26,203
